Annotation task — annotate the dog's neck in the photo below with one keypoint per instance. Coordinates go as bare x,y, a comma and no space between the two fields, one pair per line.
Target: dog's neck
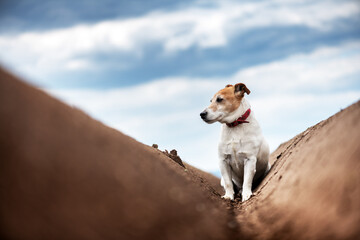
243,107
241,119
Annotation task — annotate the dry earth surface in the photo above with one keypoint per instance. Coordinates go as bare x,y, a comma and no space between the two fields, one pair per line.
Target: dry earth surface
64,175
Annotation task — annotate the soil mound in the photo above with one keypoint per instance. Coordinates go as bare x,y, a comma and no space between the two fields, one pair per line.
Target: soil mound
64,175
312,191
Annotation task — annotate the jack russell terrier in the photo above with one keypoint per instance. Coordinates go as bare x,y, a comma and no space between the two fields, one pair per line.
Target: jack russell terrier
243,151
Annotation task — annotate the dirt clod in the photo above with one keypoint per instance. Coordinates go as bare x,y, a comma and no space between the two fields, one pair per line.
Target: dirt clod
173,155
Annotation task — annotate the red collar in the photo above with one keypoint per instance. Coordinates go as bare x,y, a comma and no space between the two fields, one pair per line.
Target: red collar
240,120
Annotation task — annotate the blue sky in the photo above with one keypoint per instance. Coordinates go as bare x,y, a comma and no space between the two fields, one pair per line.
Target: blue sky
148,68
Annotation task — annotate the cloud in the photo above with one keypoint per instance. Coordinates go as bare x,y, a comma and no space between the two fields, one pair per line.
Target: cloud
197,26
287,97
322,72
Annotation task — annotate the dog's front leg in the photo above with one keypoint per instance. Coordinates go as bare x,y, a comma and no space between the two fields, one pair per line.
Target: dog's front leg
249,172
226,177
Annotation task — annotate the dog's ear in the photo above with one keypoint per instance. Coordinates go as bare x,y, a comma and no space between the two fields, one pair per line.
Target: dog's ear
241,89
229,85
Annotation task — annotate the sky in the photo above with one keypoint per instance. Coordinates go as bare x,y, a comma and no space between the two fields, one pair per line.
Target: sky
148,68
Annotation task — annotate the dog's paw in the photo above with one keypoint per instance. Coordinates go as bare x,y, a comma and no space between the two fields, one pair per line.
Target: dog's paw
228,196
246,195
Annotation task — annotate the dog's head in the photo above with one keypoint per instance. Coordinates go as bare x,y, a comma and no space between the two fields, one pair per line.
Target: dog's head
224,103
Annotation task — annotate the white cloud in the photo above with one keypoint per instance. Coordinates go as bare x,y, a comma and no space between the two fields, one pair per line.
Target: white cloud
287,97
75,64
202,27
321,72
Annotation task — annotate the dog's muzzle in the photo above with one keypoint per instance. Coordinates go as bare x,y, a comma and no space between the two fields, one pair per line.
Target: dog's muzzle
203,114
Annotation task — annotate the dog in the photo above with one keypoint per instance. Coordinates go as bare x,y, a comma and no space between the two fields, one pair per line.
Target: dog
243,151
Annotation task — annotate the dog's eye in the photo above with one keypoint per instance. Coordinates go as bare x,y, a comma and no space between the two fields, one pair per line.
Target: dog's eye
219,99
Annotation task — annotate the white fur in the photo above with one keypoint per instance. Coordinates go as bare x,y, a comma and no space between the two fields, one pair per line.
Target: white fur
243,151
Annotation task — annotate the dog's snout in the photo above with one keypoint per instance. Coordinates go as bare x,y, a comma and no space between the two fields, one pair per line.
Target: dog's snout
203,114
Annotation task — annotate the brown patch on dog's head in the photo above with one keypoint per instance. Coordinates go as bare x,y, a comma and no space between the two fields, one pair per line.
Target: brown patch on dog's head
229,98
213,106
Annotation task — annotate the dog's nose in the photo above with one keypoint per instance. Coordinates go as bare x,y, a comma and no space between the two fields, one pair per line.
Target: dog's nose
203,114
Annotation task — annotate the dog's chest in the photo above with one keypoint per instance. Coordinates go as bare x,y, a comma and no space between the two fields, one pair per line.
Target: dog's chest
237,145
234,149
233,155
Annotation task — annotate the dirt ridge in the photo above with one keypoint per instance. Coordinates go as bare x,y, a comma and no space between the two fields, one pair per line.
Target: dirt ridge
312,180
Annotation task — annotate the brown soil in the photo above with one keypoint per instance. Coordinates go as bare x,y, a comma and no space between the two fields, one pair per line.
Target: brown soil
64,175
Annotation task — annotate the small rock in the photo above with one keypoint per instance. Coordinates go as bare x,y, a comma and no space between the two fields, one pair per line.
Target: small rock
155,146
173,152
